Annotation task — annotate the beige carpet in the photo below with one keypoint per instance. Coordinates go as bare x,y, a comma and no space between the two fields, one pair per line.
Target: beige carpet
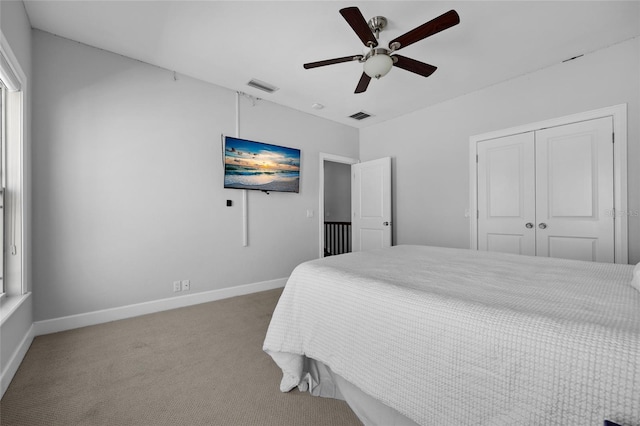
200,365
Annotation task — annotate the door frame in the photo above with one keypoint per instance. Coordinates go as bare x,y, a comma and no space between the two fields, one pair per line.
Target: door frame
619,115
335,159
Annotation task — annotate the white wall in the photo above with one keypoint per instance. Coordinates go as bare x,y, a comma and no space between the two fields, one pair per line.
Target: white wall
15,335
128,184
17,29
430,147
337,192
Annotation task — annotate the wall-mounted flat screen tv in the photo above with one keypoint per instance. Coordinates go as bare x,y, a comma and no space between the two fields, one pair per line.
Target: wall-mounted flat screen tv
262,166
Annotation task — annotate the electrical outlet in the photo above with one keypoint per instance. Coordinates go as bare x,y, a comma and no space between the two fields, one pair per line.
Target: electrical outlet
177,286
186,285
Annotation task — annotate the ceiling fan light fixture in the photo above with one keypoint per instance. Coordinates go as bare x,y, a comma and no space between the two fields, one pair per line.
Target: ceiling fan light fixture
378,64
378,61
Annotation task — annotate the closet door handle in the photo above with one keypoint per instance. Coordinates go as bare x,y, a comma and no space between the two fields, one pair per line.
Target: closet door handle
529,225
542,226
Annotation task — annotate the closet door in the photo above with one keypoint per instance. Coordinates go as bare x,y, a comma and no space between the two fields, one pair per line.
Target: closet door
574,187
506,194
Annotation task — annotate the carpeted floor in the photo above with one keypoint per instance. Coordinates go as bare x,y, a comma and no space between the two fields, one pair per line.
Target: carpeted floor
200,365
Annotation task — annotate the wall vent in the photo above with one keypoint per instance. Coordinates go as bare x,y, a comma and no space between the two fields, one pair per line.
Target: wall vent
360,115
269,88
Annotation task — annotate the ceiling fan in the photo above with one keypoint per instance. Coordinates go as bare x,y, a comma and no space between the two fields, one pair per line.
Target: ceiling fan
378,60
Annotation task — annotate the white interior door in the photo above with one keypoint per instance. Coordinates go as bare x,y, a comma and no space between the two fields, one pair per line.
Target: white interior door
581,188
506,194
371,204
574,179
549,192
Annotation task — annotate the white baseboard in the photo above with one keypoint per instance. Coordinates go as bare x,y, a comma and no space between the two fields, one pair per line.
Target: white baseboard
106,315
15,361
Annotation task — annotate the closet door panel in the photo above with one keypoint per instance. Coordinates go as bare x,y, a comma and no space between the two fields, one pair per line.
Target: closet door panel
577,248
506,194
574,191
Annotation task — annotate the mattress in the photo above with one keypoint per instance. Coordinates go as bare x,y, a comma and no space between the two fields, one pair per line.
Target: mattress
461,337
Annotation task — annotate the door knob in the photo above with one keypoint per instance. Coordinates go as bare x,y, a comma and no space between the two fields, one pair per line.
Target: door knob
385,223
529,225
542,225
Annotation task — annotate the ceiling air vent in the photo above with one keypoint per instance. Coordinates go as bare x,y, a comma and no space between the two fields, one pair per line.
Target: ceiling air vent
269,88
360,115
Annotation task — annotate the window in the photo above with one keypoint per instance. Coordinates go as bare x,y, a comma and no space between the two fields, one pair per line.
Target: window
3,141
12,132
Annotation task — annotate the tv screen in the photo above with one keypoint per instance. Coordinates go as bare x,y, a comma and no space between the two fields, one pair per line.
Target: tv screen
262,166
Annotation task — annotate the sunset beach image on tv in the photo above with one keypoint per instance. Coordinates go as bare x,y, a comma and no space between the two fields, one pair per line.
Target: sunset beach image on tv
261,166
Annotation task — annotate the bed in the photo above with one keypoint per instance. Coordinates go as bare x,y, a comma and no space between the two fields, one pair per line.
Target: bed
438,336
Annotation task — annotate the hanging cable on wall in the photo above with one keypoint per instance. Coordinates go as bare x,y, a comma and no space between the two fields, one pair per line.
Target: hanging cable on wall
245,217
245,224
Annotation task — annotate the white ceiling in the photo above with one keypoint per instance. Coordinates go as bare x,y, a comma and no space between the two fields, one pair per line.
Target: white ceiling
229,43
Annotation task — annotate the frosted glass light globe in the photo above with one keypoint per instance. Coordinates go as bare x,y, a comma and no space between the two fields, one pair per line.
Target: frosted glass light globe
378,65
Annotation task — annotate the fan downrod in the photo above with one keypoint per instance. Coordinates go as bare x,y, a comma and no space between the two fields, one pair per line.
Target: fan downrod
377,24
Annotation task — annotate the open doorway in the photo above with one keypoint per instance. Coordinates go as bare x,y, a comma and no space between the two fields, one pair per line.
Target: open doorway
335,205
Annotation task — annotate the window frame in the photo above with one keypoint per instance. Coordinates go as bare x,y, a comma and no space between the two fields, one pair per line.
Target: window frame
16,131
3,142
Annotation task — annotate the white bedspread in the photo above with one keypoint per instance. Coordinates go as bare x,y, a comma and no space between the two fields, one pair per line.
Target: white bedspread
460,337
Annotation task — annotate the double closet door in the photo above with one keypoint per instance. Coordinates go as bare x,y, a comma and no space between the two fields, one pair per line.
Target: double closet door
549,192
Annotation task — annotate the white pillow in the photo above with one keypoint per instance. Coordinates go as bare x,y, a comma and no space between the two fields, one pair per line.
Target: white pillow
635,281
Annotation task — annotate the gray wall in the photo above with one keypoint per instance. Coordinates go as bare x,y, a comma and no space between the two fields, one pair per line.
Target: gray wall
430,147
337,192
128,183
17,30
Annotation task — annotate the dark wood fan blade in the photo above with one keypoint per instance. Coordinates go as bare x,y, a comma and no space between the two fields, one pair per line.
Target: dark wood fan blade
356,21
412,65
363,83
442,22
332,61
